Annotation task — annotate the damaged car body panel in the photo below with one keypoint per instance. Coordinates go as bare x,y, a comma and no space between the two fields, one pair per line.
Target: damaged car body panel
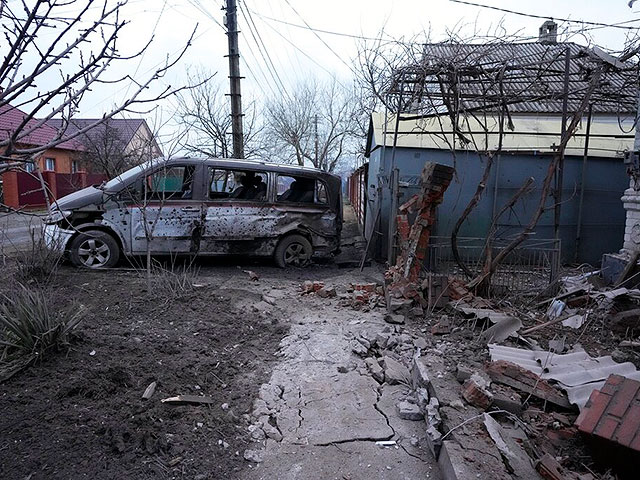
204,207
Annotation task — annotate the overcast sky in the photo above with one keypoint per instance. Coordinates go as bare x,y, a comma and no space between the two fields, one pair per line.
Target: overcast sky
297,52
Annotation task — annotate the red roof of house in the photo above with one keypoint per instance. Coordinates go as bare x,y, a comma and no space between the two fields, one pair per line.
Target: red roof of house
11,118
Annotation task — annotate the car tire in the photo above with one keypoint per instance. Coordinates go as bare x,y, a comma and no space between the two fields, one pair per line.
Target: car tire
293,251
94,249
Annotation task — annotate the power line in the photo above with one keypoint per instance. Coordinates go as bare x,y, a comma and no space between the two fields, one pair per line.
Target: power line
321,39
320,30
264,52
302,52
619,25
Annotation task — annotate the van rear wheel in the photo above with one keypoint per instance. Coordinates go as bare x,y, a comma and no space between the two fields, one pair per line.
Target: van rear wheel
293,251
94,249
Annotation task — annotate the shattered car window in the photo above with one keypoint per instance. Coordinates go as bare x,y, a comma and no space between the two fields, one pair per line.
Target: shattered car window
301,190
174,183
237,184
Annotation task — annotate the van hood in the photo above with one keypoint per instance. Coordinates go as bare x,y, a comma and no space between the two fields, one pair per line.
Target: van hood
90,196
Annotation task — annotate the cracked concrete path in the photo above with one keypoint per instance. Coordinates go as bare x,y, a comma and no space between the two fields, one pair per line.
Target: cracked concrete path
326,423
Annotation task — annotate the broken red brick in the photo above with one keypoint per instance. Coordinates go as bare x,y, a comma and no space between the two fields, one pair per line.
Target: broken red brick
613,413
474,391
524,380
441,328
365,287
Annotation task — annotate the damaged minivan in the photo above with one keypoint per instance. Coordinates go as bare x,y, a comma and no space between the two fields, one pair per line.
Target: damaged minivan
201,207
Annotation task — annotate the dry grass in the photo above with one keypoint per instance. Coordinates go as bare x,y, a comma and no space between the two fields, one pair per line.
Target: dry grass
30,328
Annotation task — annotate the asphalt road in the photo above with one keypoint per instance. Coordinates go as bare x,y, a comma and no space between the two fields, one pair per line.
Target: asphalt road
16,230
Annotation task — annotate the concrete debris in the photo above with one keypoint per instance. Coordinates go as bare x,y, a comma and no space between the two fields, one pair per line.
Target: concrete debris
513,454
394,372
358,348
432,413
272,432
394,319
475,391
422,398
326,292
420,343
409,411
442,327
420,373
506,398
463,373
255,456
256,432
375,369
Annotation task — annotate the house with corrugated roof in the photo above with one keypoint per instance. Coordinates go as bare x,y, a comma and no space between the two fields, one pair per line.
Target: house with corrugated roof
469,101
69,165
58,158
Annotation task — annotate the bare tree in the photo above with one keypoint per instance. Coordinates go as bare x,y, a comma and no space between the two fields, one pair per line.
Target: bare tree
203,112
315,124
42,41
110,149
466,93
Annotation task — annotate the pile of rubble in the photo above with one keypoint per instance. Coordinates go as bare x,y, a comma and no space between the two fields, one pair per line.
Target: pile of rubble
359,296
516,382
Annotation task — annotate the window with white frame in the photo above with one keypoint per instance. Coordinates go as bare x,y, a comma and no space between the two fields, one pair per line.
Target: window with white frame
50,164
74,166
28,167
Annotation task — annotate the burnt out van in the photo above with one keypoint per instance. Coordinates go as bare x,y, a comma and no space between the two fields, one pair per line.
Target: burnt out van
201,207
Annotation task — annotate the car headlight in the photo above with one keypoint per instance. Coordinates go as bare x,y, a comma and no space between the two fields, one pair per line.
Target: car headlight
56,216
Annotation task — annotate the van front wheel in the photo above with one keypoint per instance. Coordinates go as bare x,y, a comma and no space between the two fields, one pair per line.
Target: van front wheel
293,251
94,249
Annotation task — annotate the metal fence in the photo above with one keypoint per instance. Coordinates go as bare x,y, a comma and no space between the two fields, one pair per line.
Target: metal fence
531,267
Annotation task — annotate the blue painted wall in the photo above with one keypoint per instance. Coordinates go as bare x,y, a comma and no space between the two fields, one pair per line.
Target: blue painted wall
603,215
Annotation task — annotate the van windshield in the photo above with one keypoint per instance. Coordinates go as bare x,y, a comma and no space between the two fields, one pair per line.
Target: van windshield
125,177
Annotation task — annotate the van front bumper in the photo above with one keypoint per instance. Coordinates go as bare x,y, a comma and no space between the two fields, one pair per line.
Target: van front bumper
56,238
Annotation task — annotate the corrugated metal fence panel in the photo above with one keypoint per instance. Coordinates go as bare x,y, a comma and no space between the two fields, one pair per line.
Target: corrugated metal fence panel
603,214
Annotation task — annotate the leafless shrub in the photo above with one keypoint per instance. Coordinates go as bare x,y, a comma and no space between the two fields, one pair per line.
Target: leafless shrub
30,328
173,280
38,263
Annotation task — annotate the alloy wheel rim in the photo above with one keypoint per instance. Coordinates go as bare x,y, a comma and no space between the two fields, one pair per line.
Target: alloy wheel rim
296,255
94,253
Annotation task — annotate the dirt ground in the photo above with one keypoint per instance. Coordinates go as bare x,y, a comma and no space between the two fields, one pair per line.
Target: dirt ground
80,413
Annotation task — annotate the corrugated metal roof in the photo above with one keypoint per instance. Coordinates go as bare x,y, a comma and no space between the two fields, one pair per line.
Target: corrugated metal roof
577,373
125,127
537,134
11,118
533,75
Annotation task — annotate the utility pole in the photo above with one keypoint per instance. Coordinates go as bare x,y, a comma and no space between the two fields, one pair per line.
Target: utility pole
234,79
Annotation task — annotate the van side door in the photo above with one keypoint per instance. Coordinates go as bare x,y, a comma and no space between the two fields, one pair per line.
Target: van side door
168,216
237,212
